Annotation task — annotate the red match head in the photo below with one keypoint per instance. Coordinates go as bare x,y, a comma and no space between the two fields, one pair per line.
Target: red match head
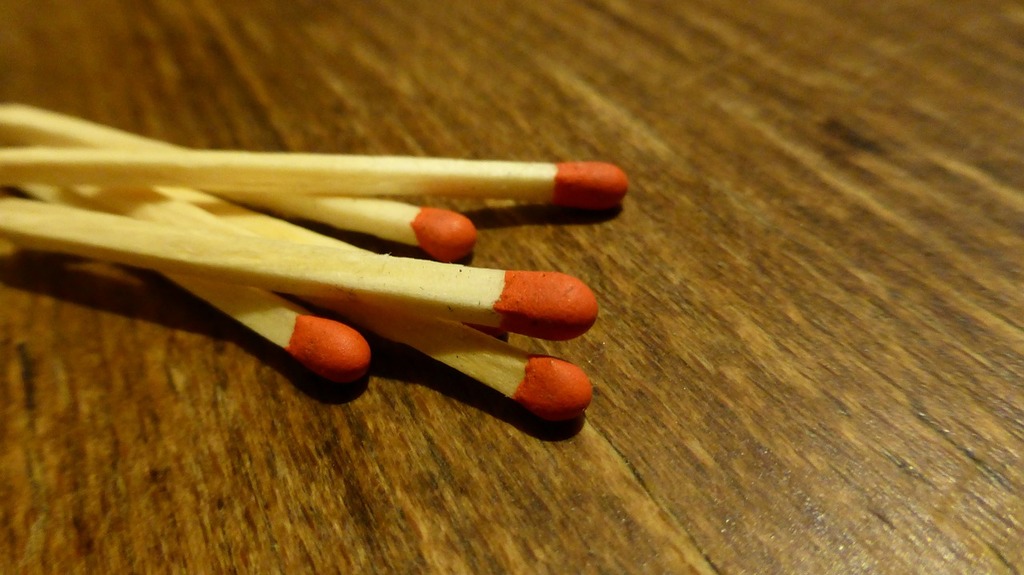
589,185
548,305
553,389
329,348
445,235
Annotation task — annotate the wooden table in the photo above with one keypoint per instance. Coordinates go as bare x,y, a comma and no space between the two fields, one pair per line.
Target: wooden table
810,354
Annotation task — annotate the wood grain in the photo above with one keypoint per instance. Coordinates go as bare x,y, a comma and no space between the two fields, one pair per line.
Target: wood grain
810,356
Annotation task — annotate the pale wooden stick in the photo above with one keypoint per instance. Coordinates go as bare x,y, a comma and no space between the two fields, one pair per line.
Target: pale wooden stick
591,185
328,348
445,235
29,126
262,172
543,304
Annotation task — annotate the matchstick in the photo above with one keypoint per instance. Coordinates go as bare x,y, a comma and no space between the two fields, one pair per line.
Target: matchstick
326,347
590,185
443,234
24,125
549,305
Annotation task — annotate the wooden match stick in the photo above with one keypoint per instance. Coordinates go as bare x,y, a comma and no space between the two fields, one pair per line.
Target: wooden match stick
590,185
549,305
443,234
326,347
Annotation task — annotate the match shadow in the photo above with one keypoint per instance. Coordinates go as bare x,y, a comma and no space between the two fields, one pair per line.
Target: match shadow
522,215
149,297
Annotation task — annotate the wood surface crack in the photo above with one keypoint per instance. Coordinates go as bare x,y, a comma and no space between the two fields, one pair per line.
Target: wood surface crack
980,464
1003,561
28,376
698,559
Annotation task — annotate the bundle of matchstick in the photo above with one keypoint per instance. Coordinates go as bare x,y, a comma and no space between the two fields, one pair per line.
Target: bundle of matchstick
235,258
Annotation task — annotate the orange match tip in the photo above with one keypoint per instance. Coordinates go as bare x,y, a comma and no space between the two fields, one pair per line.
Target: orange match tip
589,185
329,348
445,235
548,305
553,389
